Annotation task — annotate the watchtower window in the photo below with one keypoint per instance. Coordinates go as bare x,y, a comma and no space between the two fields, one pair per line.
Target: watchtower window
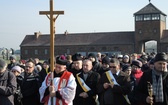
140,31
26,52
163,18
35,52
45,51
147,17
139,18
155,17
68,51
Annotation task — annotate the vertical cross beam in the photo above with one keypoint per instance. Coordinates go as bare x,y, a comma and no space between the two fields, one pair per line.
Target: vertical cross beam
50,14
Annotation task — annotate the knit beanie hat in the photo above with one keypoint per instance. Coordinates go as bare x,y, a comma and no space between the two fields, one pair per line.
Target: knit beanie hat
126,67
106,60
16,68
92,55
77,57
161,57
151,61
12,57
137,63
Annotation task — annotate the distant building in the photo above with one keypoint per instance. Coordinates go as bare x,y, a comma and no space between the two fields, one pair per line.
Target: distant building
150,24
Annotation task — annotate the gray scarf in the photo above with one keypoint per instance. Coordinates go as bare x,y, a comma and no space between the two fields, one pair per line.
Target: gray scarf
85,75
157,86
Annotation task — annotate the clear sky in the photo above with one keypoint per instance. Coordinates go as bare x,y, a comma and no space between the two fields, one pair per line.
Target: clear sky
19,18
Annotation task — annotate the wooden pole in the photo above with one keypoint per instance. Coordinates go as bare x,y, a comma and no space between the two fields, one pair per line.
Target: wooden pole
51,36
52,45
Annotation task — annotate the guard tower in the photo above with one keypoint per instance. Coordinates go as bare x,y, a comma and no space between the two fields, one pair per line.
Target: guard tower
149,25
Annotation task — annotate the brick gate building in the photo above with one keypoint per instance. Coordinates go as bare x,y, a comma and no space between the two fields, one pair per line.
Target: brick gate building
150,24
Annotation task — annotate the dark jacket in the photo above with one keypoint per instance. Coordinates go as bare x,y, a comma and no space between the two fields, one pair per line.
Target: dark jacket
142,88
103,70
114,96
91,82
42,74
132,94
74,71
7,88
11,65
29,88
96,66
18,95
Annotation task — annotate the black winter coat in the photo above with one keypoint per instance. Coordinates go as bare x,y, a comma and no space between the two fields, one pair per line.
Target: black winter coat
142,88
43,74
91,82
29,88
114,96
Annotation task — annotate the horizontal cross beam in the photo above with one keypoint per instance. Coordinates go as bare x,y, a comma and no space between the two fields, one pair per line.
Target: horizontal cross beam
48,12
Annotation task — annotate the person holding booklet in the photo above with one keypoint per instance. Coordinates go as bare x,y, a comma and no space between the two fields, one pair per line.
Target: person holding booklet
87,81
114,85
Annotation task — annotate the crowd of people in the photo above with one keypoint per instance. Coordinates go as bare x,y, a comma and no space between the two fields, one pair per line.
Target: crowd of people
95,79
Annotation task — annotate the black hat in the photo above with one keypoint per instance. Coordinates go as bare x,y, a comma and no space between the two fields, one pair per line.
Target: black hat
106,60
92,55
151,61
12,57
77,57
144,57
2,64
126,67
137,63
45,62
61,60
161,57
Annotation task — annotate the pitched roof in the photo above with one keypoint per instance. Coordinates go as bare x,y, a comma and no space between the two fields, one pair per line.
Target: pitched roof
149,9
102,38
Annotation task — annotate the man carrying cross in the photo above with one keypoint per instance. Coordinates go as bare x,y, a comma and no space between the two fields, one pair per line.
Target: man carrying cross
64,85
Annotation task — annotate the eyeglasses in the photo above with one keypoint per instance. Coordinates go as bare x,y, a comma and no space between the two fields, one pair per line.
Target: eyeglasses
112,67
28,67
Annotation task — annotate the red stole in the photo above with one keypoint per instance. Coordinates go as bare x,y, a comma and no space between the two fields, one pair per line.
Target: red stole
65,76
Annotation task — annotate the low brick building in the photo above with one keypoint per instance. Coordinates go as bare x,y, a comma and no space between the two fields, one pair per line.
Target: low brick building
150,24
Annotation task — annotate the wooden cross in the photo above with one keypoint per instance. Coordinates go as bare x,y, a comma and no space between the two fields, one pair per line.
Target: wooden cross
50,14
